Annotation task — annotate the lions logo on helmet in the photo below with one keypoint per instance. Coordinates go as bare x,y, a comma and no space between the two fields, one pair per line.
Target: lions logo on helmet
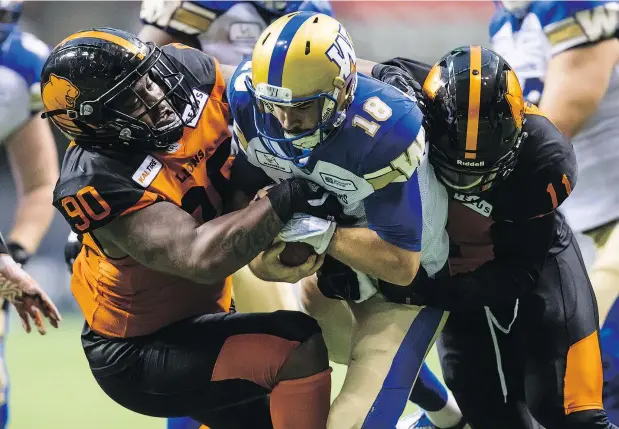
301,58
60,93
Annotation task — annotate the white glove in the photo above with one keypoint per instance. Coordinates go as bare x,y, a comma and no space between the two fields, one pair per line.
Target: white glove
309,229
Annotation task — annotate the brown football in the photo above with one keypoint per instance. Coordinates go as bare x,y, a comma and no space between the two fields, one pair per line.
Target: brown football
295,254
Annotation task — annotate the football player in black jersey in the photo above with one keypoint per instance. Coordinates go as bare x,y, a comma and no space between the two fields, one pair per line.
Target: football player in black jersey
522,342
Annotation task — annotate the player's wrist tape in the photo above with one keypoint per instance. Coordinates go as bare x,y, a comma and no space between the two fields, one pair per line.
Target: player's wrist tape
19,254
309,229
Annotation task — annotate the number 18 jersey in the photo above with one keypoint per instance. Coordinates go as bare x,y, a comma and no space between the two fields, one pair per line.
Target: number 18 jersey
121,297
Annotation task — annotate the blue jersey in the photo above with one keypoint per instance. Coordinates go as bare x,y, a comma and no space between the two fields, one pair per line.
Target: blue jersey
375,162
528,37
227,30
22,56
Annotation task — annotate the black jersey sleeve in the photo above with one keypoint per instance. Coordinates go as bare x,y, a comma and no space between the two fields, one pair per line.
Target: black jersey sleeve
416,69
545,174
94,189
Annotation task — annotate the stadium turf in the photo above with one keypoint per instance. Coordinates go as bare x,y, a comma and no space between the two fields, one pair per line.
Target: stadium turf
52,388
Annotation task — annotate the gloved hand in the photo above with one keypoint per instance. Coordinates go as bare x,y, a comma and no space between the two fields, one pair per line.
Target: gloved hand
338,281
405,294
309,229
72,248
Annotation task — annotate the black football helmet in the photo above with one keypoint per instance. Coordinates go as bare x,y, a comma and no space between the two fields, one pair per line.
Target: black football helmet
475,114
89,78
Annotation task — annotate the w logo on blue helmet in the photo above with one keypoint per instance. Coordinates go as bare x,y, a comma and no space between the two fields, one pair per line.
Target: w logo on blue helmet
342,53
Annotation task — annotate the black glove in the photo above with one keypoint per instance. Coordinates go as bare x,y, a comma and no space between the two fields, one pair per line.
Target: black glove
72,248
337,281
291,196
405,294
399,78
18,253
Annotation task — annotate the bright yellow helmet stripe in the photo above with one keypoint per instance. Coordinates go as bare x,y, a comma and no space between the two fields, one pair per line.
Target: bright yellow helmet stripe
134,49
472,127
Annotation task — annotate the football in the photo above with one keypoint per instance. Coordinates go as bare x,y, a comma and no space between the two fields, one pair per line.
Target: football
295,254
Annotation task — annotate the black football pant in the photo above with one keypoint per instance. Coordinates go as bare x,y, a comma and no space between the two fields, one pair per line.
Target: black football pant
213,368
551,360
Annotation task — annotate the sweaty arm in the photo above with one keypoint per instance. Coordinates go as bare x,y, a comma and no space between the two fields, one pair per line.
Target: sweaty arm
520,250
34,164
166,238
576,80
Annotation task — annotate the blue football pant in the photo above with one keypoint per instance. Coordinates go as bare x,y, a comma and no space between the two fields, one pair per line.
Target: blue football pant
384,345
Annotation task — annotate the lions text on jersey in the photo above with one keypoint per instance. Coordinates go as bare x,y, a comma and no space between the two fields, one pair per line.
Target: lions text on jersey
527,37
226,29
21,59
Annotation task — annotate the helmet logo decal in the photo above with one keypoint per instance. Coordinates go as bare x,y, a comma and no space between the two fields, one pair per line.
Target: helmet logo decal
59,93
342,53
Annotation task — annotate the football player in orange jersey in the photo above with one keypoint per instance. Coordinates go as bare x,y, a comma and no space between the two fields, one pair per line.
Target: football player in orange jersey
145,180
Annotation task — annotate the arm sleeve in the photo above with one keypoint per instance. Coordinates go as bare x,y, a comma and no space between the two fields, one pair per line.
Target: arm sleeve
520,252
394,209
572,24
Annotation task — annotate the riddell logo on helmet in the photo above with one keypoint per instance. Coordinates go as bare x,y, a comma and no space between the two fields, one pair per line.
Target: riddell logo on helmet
59,93
470,163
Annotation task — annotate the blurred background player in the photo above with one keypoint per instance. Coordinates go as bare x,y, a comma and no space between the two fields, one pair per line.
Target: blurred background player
31,149
301,110
228,30
566,55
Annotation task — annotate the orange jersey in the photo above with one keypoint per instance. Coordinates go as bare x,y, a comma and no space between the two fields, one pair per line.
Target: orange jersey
121,297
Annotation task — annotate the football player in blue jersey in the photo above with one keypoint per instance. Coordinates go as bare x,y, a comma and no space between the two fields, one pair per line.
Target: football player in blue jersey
566,55
302,110
30,146
226,29
521,347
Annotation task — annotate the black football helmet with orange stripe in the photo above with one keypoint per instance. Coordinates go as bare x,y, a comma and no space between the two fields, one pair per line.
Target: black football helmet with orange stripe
98,87
475,114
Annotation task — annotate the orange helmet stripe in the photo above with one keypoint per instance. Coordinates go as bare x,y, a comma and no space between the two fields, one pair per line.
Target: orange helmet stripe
474,102
134,49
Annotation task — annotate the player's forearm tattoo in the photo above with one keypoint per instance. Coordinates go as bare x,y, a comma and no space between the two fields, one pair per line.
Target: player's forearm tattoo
244,244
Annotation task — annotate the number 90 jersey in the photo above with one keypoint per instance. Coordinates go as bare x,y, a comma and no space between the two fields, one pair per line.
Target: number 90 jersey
120,297
375,163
